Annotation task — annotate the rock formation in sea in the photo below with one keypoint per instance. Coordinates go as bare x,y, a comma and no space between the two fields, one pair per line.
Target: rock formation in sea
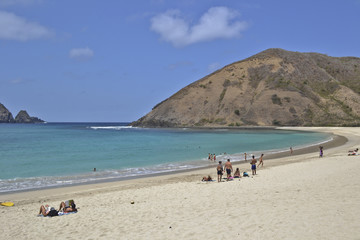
5,115
272,88
22,117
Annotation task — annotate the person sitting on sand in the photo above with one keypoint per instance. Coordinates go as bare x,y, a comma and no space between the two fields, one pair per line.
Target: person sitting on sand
206,179
48,211
237,173
68,206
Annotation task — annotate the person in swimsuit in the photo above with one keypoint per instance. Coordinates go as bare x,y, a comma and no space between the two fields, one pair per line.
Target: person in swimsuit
69,206
253,165
206,179
229,169
48,211
321,151
237,173
261,161
219,170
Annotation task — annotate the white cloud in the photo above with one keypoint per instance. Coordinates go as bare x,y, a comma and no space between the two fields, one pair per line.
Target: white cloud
217,22
81,53
13,27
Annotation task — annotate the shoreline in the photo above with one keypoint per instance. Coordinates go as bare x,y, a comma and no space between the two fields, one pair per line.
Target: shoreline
19,194
335,141
116,173
299,196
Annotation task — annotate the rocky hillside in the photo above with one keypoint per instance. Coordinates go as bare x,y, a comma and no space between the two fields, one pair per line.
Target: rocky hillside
273,88
5,115
22,117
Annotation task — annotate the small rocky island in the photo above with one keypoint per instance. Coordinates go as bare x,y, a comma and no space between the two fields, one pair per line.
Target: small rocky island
22,117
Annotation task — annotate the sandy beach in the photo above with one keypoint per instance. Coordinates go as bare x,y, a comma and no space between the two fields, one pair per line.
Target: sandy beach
298,196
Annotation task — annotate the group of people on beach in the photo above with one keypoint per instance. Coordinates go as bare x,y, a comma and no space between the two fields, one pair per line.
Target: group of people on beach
212,157
229,169
65,207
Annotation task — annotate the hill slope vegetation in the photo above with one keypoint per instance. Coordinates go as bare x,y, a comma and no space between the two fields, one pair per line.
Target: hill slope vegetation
273,88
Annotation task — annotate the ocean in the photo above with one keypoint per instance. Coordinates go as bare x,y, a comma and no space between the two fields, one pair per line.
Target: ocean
34,156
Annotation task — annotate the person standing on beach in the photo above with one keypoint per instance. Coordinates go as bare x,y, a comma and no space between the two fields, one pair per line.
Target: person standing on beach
245,156
261,161
219,170
321,151
253,165
229,169
291,151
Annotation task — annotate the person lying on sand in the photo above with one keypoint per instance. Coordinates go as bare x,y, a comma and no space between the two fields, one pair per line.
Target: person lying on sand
48,211
68,206
206,179
352,151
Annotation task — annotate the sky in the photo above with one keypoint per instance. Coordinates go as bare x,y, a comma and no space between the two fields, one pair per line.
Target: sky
113,61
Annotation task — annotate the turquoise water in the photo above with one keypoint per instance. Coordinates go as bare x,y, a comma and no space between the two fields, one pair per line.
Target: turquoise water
56,154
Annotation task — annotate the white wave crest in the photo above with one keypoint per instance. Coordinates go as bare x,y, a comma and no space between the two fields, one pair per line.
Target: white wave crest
111,127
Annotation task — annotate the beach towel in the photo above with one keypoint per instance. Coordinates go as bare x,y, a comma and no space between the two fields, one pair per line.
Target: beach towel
59,214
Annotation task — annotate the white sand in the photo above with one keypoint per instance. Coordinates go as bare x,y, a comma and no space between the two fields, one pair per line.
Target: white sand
296,197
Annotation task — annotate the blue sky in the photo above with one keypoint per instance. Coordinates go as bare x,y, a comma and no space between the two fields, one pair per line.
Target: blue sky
112,61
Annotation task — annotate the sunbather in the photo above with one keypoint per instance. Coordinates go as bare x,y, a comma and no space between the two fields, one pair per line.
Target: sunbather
352,151
206,179
48,211
68,206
